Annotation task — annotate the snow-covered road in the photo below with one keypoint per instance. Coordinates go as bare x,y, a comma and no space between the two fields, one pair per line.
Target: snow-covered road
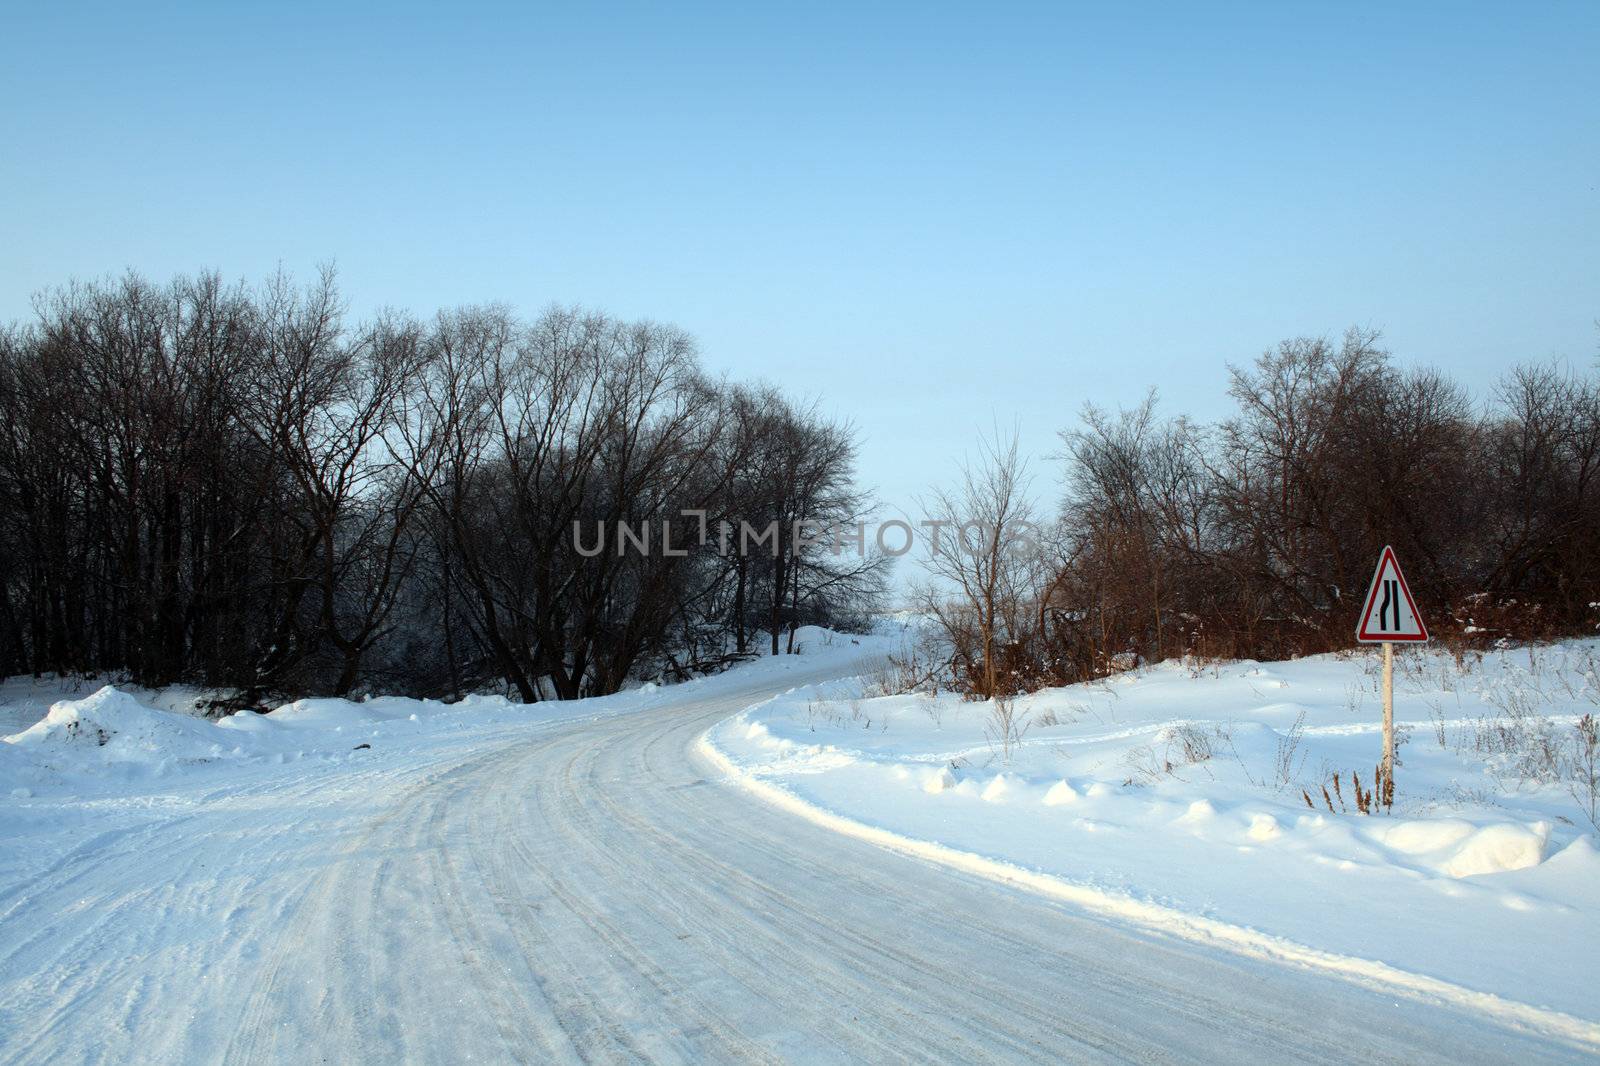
591,890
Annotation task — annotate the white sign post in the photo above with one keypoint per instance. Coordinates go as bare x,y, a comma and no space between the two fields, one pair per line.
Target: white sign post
1390,616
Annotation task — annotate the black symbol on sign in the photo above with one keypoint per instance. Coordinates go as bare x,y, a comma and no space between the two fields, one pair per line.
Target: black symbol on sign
1391,598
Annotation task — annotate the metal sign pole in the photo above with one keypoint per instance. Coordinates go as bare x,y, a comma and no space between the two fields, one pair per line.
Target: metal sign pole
1388,718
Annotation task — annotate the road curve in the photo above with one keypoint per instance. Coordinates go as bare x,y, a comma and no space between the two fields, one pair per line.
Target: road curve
592,892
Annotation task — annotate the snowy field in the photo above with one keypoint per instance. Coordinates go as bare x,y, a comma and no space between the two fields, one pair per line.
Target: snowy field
1177,797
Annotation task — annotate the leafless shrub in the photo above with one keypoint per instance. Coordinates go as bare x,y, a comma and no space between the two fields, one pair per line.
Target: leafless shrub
1436,716
911,669
1583,781
1288,759
1520,744
1192,745
881,678
1006,726
1182,745
1147,767
1523,745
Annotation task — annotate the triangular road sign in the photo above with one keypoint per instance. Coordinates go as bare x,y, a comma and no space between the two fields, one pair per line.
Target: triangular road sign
1390,613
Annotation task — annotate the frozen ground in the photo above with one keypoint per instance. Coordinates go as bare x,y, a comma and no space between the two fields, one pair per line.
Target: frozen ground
1176,797
405,881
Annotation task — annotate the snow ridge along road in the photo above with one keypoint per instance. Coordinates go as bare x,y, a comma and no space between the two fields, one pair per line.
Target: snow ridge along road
594,890
1156,918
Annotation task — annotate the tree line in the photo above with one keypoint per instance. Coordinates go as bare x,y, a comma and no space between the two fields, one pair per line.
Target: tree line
1256,536
240,487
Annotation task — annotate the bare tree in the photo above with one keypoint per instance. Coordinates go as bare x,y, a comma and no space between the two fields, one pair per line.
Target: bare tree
984,556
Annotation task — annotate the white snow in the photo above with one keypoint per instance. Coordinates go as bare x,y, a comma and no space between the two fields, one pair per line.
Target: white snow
1176,795
174,888
404,875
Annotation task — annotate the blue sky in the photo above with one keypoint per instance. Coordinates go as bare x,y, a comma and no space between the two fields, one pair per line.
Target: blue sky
936,218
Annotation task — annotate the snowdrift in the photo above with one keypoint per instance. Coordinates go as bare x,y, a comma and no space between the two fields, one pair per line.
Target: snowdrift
111,739
115,728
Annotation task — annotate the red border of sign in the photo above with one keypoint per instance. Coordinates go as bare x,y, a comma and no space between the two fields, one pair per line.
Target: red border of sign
1362,637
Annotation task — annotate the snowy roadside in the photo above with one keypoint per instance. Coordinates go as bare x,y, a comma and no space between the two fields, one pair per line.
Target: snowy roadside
88,769
1176,798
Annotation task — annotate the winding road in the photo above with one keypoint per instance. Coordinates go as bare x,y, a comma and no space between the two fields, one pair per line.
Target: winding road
590,891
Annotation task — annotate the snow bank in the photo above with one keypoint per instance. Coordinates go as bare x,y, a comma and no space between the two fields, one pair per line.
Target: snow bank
111,739
122,736
112,727
1186,787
